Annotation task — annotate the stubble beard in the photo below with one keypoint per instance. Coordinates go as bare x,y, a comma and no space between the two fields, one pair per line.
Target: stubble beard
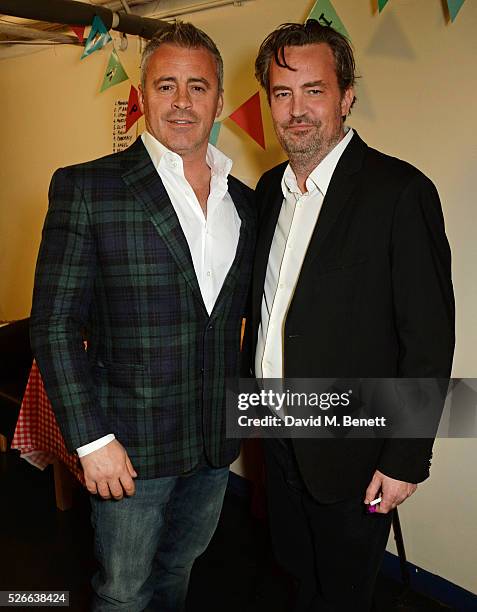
305,151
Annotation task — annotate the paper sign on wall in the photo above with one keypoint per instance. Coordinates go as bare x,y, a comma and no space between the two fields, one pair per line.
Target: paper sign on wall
121,140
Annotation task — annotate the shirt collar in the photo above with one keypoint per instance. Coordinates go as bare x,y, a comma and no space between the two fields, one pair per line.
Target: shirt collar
219,164
320,177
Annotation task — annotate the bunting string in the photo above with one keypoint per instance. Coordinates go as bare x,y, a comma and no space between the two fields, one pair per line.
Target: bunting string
248,115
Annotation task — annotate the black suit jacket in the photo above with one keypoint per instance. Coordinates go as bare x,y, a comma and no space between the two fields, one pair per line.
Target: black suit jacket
374,299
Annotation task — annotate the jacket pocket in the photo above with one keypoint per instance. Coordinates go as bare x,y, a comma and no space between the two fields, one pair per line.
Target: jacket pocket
118,382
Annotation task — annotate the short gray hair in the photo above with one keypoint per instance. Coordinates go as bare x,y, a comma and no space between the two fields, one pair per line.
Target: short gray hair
184,35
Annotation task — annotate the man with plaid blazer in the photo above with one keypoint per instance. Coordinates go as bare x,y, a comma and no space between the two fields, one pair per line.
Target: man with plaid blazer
147,255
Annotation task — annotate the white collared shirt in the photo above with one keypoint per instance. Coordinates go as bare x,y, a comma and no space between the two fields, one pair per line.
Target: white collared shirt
296,223
212,240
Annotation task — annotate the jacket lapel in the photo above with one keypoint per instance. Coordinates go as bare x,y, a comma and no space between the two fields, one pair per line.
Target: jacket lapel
270,207
247,228
144,182
337,197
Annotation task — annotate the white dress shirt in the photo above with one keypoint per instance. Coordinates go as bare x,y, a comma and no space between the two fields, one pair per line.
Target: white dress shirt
212,240
296,223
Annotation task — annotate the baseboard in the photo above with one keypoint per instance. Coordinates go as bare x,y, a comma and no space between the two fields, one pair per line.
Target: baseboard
431,585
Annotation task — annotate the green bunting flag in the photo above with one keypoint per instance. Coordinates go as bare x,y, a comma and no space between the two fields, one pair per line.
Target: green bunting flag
115,72
454,7
214,134
324,12
382,4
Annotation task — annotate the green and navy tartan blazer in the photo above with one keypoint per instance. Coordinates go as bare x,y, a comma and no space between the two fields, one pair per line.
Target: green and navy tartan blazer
114,268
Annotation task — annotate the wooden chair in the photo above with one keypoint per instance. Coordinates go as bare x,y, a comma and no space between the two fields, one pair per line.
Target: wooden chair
15,364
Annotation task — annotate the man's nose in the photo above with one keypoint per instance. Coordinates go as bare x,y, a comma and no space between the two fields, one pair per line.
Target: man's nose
182,98
297,106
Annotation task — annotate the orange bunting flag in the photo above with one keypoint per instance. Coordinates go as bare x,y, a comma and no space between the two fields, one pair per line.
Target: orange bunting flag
249,118
79,31
133,112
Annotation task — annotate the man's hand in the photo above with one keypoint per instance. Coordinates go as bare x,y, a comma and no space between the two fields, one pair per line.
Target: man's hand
393,492
109,472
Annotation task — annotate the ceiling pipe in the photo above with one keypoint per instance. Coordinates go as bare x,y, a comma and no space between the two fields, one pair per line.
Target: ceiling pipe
126,7
20,31
70,12
153,8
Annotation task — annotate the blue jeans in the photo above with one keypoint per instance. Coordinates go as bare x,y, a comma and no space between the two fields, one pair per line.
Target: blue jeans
146,544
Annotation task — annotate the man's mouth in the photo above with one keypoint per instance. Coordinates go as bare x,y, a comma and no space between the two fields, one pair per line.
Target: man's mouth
181,121
299,126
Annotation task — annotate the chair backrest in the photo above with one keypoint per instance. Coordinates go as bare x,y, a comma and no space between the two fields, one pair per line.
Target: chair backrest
15,350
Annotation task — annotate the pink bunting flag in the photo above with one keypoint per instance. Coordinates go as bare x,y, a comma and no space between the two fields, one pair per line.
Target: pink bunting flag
249,118
79,31
133,112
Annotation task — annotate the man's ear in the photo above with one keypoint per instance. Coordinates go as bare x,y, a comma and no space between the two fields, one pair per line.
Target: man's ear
347,101
141,98
220,104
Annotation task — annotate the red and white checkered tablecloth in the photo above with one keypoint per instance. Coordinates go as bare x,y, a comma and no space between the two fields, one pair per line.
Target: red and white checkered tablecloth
37,435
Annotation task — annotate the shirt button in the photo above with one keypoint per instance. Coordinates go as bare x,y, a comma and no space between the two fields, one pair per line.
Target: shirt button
281,285
209,273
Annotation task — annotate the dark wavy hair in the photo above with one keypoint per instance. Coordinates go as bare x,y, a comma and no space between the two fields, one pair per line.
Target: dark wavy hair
298,35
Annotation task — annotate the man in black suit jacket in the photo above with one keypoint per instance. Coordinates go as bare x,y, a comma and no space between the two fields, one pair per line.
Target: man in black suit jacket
352,279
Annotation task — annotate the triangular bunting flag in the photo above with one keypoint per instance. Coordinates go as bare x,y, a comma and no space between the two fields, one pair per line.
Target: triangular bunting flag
133,112
214,133
79,31
382,4
98,37
115,72
454,7
249,118
324,12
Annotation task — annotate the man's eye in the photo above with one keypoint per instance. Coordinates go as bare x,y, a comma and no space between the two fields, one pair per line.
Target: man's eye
198,88
165,87
282,94
315,92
